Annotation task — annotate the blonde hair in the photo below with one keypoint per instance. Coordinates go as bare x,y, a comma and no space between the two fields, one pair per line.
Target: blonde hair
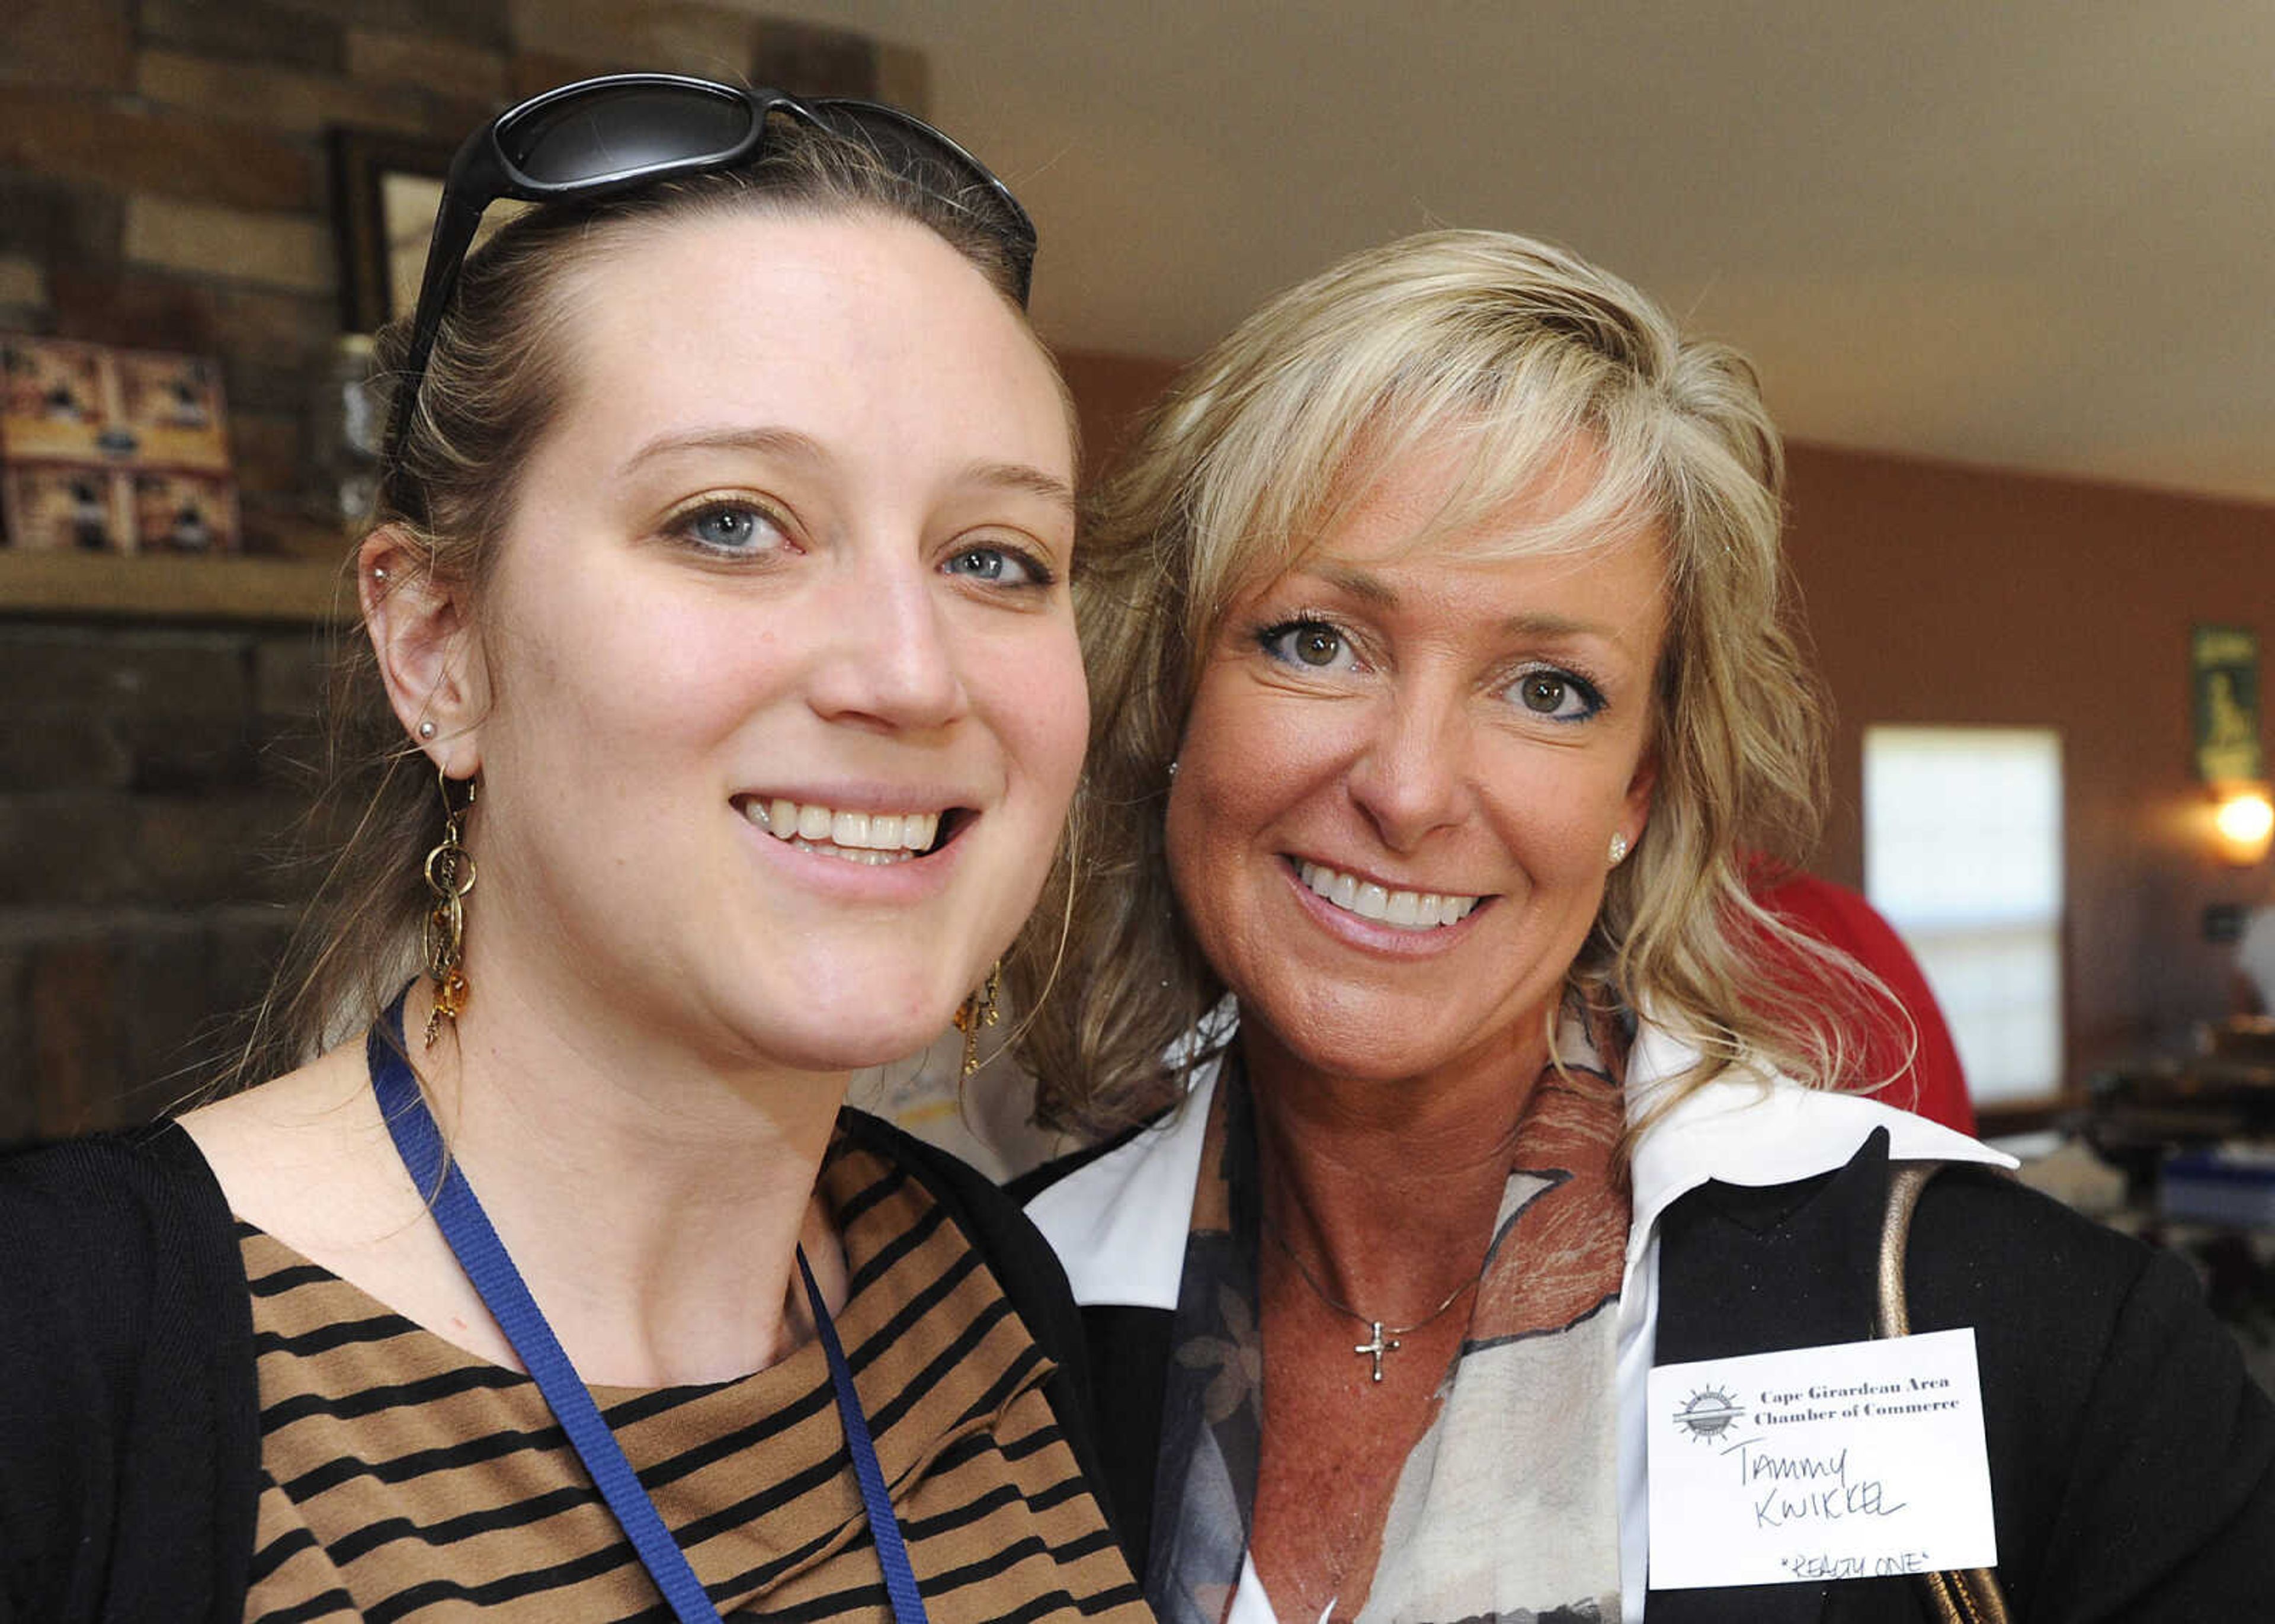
498,379
1535,363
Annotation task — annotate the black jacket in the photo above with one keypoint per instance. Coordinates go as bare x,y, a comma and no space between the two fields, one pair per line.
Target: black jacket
130,1441
2132,1459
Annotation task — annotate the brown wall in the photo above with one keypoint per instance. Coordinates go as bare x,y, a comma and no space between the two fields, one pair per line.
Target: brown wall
1939,594
1111,392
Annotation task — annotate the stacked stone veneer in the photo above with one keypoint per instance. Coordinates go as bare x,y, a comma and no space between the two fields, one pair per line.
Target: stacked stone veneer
148,789
163,183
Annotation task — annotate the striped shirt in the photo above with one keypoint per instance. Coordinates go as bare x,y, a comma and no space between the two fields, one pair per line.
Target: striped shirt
402,1478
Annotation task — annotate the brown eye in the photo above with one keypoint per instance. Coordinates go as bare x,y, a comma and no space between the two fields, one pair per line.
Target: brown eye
1311,645
1557,696
1542,691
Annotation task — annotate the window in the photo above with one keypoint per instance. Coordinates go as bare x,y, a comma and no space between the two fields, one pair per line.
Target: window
1964,853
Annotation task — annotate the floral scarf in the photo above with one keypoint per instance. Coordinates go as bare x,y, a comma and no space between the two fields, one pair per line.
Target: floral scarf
1508,1505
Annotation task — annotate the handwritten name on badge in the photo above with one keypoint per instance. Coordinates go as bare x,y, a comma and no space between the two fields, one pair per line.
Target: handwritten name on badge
1849,1461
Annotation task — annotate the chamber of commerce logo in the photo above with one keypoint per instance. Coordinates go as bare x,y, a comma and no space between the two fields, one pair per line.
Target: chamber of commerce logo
1708,1413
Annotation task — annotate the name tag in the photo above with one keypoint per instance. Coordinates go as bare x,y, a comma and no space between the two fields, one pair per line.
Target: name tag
1851,1462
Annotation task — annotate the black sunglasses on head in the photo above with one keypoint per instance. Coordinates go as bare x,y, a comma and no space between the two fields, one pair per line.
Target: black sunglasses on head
600,136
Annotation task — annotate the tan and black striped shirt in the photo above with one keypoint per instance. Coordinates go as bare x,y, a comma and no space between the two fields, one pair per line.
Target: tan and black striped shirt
405,1478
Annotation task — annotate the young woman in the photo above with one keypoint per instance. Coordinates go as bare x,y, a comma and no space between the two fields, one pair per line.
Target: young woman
729,704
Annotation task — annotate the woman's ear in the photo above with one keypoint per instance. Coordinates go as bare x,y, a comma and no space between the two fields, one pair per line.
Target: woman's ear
1637,812
430,656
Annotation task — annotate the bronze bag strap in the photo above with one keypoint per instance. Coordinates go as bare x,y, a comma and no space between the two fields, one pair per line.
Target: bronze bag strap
1956,1596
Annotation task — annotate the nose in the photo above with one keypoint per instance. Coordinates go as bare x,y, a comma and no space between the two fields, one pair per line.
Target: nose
890,658
1411,774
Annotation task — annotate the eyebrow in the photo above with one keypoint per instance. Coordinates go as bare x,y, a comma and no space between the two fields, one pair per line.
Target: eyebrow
794,445
773,441
1367,587
1022,477
1372,590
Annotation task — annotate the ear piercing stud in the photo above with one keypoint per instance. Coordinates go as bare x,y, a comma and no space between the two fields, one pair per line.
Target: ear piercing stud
427,730
1619,849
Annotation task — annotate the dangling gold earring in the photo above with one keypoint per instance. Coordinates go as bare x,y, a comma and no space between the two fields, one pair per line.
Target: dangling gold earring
980,1009
449,875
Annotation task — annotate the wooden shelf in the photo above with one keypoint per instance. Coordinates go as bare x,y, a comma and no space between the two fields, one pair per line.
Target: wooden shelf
171,587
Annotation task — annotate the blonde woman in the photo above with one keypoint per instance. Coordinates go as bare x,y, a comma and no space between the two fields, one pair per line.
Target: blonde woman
1442,689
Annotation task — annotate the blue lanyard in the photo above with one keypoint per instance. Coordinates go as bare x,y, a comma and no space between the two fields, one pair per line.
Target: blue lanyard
483,1256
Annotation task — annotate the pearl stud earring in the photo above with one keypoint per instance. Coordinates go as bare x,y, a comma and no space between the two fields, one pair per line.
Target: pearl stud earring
427,730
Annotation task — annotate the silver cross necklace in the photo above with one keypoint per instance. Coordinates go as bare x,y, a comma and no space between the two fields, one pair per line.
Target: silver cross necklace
1381,1339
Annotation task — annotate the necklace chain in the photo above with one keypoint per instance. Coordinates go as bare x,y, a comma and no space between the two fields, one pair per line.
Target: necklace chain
1382,1339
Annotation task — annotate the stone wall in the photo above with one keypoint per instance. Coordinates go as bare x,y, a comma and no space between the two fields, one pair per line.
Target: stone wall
164,178
163,183
147,784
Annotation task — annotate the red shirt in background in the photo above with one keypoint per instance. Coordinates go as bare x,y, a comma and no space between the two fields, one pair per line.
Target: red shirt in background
1932,1082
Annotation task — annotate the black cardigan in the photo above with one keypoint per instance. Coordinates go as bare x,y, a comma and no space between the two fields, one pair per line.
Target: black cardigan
2132,1459
130,1441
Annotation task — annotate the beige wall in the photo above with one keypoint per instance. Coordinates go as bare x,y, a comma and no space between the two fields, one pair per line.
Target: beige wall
1939,594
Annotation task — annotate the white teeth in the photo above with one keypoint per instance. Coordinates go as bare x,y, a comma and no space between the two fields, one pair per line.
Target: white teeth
866,837
1406,910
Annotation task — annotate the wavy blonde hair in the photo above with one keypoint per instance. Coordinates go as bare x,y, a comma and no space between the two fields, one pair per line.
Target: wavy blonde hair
1531,359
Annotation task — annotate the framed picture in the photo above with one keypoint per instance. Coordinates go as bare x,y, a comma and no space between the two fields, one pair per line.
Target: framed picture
66,508
385,192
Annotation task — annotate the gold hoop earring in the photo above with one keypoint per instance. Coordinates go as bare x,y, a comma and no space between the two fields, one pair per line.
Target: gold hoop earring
451,876
980,1009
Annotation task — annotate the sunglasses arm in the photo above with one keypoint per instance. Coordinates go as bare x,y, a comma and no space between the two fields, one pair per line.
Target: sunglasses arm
466,195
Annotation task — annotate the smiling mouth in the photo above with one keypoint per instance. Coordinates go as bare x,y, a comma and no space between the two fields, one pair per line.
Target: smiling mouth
876,839
1405,911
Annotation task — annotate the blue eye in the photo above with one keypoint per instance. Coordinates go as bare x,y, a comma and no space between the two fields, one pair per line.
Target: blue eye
1556,696
733,527
1308,645
998,566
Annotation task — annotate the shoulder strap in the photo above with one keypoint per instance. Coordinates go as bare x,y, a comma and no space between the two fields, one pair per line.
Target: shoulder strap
1958,1596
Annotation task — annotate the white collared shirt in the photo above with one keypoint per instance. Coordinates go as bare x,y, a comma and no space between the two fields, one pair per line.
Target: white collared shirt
1119,1223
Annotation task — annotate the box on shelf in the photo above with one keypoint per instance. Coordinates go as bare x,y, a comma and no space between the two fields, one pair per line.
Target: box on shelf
112,450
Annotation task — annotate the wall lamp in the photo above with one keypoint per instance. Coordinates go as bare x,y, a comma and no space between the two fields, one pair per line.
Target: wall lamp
2243,823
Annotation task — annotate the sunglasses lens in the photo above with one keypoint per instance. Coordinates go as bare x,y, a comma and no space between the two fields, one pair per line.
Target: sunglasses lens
623,130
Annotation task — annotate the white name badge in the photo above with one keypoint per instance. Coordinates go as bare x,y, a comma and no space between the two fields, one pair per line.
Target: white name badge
1844,1463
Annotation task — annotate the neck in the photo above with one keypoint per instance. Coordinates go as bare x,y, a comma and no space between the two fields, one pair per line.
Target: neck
1361,1178
652,1200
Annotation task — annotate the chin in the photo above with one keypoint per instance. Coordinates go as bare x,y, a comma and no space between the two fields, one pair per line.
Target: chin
834,1030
